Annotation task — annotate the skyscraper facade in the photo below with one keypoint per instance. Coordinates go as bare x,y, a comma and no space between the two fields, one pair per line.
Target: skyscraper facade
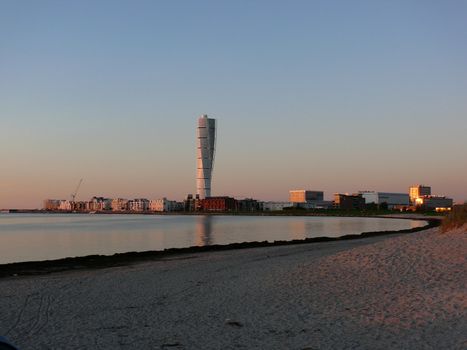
206,142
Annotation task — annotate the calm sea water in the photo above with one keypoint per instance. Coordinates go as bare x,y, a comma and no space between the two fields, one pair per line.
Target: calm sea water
26,237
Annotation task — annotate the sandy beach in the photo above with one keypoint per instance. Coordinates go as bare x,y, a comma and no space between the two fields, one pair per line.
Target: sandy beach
406,291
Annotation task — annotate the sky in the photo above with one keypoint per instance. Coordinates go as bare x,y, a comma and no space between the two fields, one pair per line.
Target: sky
338,96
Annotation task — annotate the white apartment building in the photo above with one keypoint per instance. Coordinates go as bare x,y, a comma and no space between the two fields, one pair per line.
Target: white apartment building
119,204
64,205
276,206
138,204
162,205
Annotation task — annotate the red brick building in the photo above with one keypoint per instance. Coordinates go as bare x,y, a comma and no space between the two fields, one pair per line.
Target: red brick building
219,204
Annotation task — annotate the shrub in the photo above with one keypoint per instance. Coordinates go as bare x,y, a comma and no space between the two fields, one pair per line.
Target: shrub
456,218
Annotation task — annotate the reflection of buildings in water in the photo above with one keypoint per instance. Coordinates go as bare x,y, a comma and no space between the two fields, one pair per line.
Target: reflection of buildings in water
316,227
203,230
297,229
301,228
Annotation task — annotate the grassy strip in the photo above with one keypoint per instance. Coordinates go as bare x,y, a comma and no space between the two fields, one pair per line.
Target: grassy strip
456,218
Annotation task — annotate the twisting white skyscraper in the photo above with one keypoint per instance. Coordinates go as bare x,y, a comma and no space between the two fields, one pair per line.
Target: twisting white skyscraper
206,141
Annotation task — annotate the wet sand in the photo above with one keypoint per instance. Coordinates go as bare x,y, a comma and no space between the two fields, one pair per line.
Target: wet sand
405,291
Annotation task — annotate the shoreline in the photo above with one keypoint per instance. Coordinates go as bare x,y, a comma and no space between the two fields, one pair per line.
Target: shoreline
42,267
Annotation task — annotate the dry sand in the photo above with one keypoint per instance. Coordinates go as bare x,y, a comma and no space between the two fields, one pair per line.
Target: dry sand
399,292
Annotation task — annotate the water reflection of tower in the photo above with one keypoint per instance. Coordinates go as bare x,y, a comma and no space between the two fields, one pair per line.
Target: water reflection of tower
203,230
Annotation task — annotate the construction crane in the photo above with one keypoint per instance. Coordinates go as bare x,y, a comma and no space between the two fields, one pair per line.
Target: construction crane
73,195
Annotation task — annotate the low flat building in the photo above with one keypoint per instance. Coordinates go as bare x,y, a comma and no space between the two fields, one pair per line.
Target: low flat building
434,202
390,199
248,204
276,206
349,201
314,205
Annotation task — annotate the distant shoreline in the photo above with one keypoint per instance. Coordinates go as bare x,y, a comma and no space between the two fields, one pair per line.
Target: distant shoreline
325,212
128,258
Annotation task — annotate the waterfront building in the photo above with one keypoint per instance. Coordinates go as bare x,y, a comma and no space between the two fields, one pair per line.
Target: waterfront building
248,204
222,203
206,142
65,205
119,204
306,199
303,196
315,205
417,191
276,206
138,204
51,204
99,204
79,206
163,205
434,202
390,199
178,206
89,206
349,201
191,203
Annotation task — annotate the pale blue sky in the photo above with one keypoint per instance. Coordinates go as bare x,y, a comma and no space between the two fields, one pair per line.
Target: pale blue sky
337,96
